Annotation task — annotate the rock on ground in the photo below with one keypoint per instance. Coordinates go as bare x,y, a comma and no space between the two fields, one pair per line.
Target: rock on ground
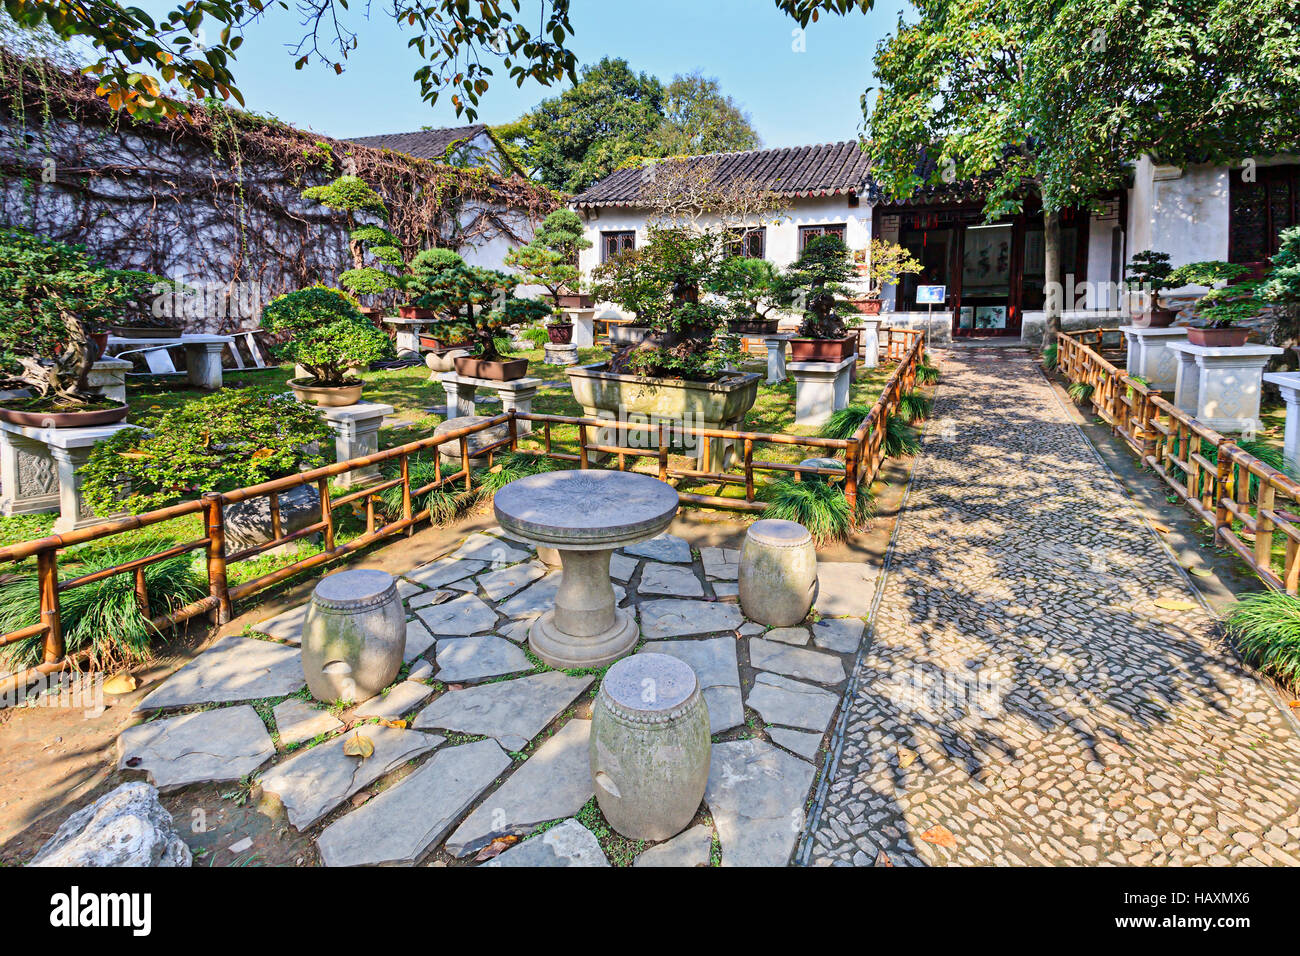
565,844
125,827
689,848
756,794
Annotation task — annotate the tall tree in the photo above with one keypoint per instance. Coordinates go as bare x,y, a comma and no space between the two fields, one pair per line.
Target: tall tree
700,118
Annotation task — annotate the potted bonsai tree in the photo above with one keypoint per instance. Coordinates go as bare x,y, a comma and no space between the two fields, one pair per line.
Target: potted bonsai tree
479,304
747,285
881,265
52,295
811,286
1149,274
1223,305
550,260
683,370
353,196
324,332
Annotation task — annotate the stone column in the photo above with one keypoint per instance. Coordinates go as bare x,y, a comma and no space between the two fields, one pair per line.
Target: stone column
204,363
584,327
1228,383
821,389
460,394
356,435
776,370
518,395
1149,356
1288,384
870,343
108,378
27,476
1187,381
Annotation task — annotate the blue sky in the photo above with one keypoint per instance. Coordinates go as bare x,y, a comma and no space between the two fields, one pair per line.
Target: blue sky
792,98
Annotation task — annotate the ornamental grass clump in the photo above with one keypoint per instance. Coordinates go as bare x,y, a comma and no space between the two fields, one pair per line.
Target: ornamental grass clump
104,616
446,504
914,407
1266,627
819,506
901,440
512,466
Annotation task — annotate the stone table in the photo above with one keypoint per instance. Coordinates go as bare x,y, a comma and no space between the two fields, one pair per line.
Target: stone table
408,333
776,356
585,516
202,354
1288,384
516,395
1149,356
1220,387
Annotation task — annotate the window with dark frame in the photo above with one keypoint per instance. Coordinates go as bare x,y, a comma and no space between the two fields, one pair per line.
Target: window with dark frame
1260,211
612,243
749,242
808,233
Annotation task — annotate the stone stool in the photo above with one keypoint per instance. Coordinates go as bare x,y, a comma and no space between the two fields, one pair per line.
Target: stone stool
354,636
475,443
649,746
777,573
823,463
561,354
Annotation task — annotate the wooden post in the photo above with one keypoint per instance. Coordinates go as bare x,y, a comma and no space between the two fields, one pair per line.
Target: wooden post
326,512
142,593
582,447
464,459
749,469
406,492
514,431
217,584
47,576
663,454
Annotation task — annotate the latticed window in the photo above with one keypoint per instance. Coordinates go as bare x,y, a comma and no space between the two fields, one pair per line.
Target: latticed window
1260,211
808,233
612,243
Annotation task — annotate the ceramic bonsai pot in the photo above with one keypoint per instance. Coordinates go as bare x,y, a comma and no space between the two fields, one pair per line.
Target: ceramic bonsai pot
1156,319
754,326
505,370
326,396
1228,338
560,333
583,301
822,350
414,312
88,418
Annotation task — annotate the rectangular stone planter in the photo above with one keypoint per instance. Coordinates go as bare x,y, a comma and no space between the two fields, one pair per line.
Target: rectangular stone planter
720,404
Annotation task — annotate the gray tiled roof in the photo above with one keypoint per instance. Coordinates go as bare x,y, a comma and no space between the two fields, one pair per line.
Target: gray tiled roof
424,143
831,169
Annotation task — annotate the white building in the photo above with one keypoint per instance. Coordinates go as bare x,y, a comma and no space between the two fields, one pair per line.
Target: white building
993,273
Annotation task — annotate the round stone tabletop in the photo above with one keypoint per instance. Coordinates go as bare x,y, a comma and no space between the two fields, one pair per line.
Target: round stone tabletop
586,510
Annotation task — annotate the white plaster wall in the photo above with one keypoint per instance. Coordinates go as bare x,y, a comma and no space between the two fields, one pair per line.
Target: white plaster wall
1180,211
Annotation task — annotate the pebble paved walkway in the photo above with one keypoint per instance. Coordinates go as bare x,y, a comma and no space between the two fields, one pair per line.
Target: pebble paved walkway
1023,700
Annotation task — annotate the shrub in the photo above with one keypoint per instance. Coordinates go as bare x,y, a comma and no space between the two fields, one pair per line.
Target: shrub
512,466
1081,392
1051,355
102,616
901,439
227,440
445,504
550,258
327,334
845,423
927,374
1282,285
812,284
747,285
914,407
1266,627
819,506
537,335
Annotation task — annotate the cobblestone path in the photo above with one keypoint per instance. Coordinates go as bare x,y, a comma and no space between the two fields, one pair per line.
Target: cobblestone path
1023,700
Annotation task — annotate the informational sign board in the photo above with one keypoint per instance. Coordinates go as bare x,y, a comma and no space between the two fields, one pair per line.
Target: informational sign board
931,294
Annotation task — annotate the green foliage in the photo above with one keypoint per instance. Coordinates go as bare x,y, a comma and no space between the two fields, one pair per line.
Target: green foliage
1080,392
1234,303
747,286
845,423
819,506
103,616
350,194
1151,272
886,261
1266,626
1282,285
511,466
1208,273
613,116
551,256
914,407
326,333
661,283
537,336
813,282
901,439
446,504
1051,356
227,440
367,280
52,296
927,374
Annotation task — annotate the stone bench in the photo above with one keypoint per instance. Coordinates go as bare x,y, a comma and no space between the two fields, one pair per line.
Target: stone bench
516,395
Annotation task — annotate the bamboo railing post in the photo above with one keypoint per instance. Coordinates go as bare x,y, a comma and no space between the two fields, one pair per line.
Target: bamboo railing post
464,459
749,469
218,586
142,593
1264,525
851,479
582,447
663,454
326,512
406,492
513,427
47,576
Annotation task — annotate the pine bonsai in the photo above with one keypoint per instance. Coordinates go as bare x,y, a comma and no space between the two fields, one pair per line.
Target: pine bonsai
352,195
326,334
813,283
551,258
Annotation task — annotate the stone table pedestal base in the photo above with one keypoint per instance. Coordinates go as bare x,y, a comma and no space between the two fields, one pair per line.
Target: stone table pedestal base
561,354
821,389
1220,387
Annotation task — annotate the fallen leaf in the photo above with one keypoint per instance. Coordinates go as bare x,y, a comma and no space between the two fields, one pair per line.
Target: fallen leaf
905,757
1201,572
939,836
120,684
495,848
358,746
361,798
395,724
1174,604
1294,703
1162,528
882,859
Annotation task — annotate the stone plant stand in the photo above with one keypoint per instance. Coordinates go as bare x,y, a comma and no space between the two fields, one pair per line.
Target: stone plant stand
821,389
39,471
1220,387
202,354
516,395
776,346
108,378
561,354
1288,384
356,435
584,326
408,333
585,516
869,341
1149,355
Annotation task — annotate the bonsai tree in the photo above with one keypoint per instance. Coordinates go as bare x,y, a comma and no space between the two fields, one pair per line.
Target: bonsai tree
1282,284
813,282
1208,274
325,333
351,195
478,303
551,258
747,286
886,261
1149,275
52,298
661,282
1223,307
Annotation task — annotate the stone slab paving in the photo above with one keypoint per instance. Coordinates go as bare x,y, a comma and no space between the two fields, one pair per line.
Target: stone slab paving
672,579
233,669
800,742
756,794
313,782
689,848
418,640
621,567
495,551
675,618
1021,689
401,824
796,661
468,659
401,699
565,844
466,614
721,564
788,635
664,547
285,627
444,571
500,584
716,668
514,712
297,720
202,747
780,700
554,782
839,634
844,589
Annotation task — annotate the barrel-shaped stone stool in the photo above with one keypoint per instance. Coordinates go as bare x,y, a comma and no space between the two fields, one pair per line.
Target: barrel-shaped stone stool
649,746
354,636
777,573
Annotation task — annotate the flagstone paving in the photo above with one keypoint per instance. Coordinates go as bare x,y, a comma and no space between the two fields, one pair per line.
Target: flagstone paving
1023,700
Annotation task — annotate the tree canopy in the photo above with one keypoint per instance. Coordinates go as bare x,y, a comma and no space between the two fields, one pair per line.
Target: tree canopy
613,116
